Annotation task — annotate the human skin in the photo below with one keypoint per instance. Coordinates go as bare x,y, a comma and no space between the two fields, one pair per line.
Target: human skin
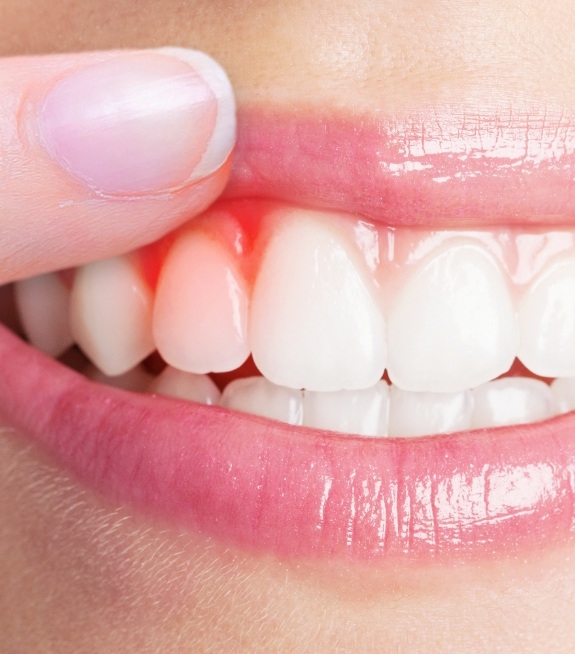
82,575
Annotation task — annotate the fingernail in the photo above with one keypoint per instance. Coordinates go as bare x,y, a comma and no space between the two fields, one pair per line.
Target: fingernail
141,123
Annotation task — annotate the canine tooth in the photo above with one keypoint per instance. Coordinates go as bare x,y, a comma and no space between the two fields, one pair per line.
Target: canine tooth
43,304
547,322
511,401
110,313
314,322
417,414
186,385
362,412
201,307
452,326
259,396
563,391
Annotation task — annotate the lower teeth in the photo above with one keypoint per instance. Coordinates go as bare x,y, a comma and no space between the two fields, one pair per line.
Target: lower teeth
379,411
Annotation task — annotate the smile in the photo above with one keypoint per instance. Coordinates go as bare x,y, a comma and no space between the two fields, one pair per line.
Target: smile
369,345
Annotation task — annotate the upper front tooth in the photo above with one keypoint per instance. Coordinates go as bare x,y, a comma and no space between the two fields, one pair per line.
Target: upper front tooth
110,314
452,326
547,322
315,323
201,307
43,305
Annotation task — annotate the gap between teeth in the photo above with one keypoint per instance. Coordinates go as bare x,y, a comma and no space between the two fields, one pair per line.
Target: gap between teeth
326,303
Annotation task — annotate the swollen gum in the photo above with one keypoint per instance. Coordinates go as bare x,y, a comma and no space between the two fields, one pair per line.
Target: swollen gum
389,253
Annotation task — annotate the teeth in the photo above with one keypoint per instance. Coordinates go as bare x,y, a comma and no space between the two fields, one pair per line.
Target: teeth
259,396
563,391
43,304
547,322
391,411
201,308
417,414
362,412
511,401
110,314
314,322
453,325
186,385
306,296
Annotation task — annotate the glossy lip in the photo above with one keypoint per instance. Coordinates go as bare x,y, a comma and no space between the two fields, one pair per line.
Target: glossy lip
310,494
292,492
442,166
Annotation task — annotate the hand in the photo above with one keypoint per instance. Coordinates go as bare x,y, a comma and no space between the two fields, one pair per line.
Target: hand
104,152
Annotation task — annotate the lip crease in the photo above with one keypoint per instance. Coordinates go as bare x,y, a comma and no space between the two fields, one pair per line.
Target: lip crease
295,492
442,166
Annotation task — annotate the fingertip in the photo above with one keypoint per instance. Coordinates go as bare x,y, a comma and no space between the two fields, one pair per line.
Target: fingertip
140,123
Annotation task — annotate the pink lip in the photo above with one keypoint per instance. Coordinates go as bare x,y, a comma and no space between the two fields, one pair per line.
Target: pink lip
442,167
298,493
294,492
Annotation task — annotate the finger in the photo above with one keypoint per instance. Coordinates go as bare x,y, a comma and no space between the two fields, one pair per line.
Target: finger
103,152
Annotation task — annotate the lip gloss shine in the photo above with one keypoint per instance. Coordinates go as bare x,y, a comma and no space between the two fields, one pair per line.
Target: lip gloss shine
445,167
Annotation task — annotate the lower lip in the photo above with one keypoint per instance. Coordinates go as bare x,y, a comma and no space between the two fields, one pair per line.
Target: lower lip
298,493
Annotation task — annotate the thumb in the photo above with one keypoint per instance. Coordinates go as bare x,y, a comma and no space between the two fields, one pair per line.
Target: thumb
103,152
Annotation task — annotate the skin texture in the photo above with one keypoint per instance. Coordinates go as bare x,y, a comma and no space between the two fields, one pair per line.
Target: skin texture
80,575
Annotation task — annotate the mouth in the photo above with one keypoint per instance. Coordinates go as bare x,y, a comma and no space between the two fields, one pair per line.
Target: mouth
366,350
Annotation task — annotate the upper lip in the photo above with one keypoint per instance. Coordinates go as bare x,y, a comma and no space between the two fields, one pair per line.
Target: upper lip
444,167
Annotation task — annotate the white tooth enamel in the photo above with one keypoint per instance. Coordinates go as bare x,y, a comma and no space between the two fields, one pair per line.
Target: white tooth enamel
511,401
315,323
452,326
362,412
136,379
547,322
417,414
201,308
259,396
186,385
563,391
43,305
111,313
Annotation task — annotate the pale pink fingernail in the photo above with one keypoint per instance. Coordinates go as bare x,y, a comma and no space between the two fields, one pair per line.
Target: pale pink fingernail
141,123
